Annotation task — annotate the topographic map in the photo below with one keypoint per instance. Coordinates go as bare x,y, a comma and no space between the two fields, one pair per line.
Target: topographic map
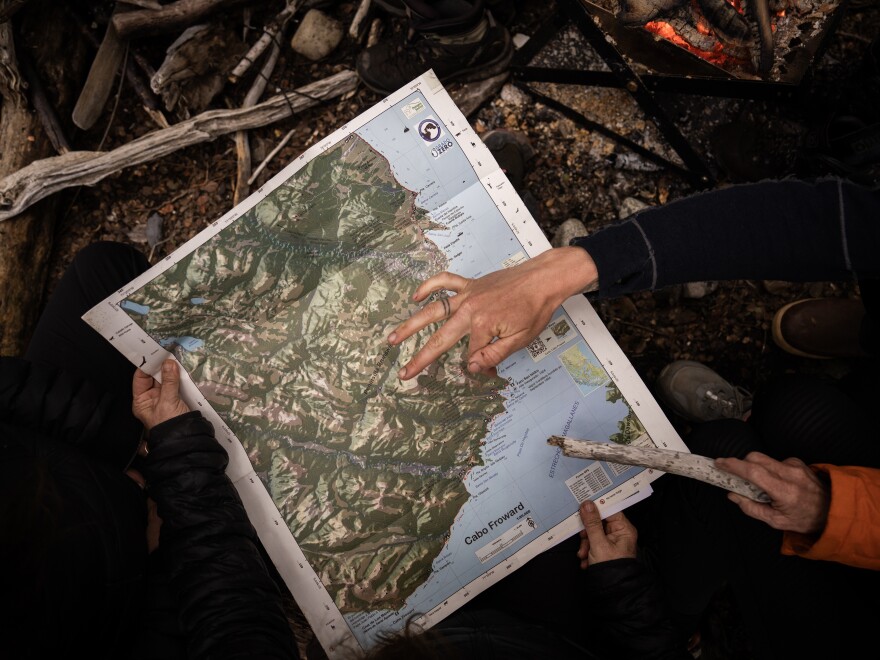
379,499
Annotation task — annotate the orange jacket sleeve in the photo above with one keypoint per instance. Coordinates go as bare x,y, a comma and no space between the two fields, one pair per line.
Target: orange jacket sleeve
852,533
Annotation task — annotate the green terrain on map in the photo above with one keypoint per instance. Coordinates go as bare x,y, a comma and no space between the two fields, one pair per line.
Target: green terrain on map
281,319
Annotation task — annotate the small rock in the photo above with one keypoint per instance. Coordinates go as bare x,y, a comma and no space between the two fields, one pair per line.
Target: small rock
317,36
777,287
514,95
154,229
571,228
629,206
699,289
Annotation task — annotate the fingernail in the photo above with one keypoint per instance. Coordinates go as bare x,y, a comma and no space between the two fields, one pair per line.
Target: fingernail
473,367
402,373
392,338
168,366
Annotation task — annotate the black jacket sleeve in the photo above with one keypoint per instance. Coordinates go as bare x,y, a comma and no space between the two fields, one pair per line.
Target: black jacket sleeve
54,403
785,230
229,605
624,601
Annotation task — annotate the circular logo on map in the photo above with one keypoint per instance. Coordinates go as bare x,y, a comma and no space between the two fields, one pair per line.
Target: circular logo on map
429,129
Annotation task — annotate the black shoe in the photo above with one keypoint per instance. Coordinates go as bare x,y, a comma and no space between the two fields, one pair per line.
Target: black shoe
386,67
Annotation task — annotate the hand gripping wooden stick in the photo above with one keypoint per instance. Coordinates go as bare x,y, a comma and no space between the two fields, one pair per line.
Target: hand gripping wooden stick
666,460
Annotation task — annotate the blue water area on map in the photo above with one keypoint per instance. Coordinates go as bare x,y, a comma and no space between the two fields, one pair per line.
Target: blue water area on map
543,399
130,306
198,301
186,343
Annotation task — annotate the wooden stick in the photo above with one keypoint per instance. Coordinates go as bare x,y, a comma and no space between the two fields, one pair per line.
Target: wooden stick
272,154
99,83
170,18
242,144
356,29
42,105
275,27
44,177
140,86
665,460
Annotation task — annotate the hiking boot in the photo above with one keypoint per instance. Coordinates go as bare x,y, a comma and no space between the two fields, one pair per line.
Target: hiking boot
821,328
388,66
698,394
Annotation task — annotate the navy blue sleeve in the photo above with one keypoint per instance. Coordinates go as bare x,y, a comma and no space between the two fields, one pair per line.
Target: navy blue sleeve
786,230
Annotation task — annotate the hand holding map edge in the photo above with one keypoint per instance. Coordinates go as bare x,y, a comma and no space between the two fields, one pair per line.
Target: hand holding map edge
501,311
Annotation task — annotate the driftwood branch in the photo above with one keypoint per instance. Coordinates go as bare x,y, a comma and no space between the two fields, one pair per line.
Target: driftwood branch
272,154
45,177
170,18
242,143
140,86
99,83
356,29
665,460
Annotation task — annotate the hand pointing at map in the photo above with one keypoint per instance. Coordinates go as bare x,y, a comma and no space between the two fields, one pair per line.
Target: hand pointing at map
501,312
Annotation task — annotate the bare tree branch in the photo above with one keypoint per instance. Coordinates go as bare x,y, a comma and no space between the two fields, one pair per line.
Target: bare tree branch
665,460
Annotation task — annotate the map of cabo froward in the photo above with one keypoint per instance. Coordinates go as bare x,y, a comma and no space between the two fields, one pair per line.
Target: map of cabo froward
281,320
381,501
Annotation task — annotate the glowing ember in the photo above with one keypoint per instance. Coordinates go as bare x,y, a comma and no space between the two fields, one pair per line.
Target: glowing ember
716,56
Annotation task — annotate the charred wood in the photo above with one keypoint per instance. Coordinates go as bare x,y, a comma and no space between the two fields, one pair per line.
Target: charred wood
639,12
761,11
729,26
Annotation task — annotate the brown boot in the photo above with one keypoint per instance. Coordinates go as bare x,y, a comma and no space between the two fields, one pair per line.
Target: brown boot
821,328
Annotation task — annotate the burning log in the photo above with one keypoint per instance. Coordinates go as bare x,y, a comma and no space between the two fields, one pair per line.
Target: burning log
723,19
726,22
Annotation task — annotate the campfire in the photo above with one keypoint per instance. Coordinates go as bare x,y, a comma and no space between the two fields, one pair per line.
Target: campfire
747,38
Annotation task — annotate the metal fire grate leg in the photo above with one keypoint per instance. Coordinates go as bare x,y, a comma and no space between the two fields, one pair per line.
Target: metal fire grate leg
700,79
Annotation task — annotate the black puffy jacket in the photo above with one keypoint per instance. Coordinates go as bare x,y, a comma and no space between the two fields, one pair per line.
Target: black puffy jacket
208,591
